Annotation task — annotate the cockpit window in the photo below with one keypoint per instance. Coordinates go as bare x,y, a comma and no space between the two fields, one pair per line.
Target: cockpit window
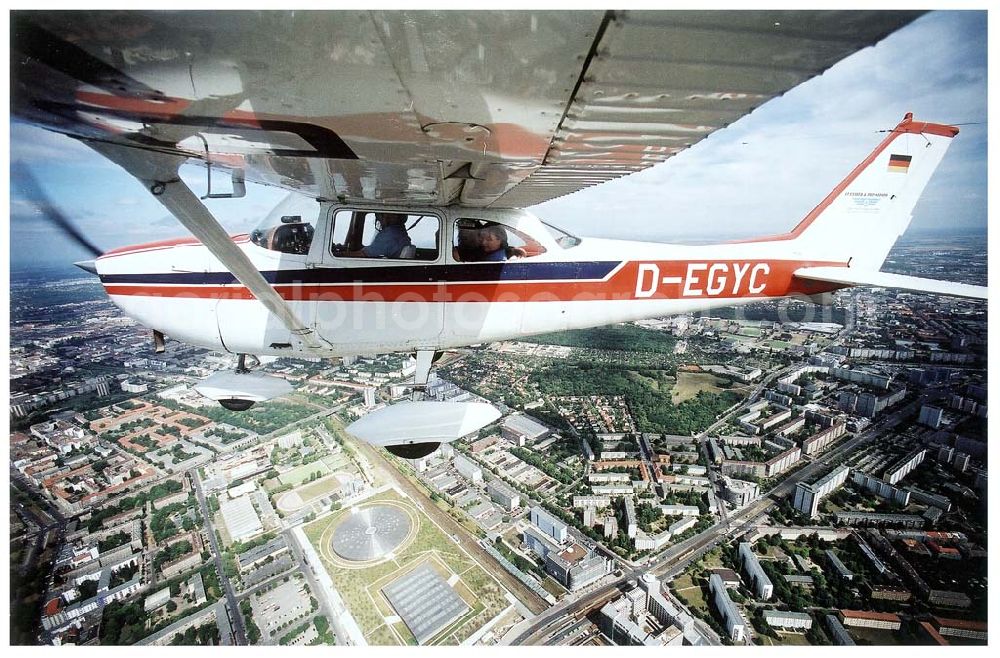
479,240
288,228
391,235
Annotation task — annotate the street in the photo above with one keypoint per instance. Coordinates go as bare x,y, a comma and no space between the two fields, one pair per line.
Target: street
239,631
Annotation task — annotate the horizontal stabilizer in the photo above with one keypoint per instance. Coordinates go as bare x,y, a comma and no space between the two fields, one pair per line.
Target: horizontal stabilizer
852,277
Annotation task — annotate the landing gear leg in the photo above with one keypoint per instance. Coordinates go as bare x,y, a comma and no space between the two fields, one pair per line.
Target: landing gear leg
424,360
239,404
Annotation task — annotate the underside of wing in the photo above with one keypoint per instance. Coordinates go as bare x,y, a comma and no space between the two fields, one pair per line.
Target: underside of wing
503,109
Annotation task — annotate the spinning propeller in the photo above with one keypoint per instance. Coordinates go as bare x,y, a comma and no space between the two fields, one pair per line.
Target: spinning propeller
23,180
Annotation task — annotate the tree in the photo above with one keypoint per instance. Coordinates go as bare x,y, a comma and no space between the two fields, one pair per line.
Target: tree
171,606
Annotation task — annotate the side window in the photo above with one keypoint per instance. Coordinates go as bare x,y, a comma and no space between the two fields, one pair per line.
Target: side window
478,240
389,235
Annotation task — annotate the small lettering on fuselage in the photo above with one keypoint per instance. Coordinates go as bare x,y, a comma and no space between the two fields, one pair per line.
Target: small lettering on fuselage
704,280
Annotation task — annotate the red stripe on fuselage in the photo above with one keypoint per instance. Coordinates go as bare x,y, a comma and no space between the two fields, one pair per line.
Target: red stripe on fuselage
634,281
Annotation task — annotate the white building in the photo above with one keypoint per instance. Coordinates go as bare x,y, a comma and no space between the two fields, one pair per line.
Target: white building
798,621
503,495
548,524
761,585
156,600
591,501
631,520
468,469
240,518
680,510
732,619
808,496
739,493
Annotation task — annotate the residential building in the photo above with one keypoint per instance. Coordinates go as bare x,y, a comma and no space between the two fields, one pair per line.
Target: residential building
739,493
798,621
930,416
680,510
973,630
878,519
760,584
867,619
591,501
548,524
808,496
733,621
156,600
503,495
468,469
823,438
838,633
631,520
904,466
839,566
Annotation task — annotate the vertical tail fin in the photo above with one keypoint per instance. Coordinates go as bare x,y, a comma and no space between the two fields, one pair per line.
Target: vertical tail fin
863,216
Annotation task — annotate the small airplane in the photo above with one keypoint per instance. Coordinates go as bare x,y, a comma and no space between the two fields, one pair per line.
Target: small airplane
421,136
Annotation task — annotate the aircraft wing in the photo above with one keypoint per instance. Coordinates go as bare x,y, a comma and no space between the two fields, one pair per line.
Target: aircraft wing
502,109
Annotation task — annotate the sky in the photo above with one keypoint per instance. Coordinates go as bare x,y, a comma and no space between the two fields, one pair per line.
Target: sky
759,176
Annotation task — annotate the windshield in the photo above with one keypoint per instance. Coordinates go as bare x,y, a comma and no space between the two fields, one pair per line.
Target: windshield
288,228
562,238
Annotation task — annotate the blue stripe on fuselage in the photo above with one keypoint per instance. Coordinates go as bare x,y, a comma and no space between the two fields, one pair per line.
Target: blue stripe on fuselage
458,273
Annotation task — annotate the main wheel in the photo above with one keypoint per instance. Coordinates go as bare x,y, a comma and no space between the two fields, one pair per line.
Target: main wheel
413,450
236,404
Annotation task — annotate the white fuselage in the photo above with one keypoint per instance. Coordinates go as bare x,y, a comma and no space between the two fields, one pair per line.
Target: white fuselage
366,305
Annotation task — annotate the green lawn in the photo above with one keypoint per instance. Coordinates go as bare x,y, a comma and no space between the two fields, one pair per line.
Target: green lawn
300,474
318,488
685,587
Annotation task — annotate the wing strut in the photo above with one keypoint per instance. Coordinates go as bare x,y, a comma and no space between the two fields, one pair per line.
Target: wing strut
158,172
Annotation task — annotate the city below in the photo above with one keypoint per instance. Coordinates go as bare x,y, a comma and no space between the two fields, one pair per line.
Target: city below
775,474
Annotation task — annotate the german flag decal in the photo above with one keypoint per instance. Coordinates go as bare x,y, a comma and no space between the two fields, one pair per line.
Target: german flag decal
899,163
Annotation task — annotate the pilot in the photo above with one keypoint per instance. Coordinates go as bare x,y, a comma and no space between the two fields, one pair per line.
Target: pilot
391,238
467,245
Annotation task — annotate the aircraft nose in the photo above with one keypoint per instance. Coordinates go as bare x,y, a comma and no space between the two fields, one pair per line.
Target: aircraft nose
87,266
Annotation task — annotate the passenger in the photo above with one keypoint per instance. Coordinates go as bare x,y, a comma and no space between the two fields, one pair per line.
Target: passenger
493,243
390,240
